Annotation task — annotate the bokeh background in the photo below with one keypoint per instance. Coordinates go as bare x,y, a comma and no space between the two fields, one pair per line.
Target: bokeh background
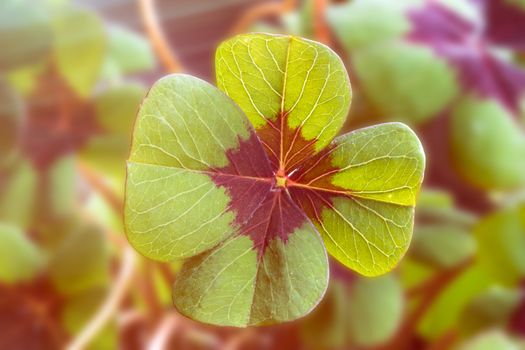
72,75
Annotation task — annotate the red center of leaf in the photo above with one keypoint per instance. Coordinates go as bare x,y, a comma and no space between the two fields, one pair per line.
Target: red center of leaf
273,179
280,179
286,147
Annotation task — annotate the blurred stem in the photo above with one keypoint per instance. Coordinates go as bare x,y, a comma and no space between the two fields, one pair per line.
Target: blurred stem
240,339
147,287
110,305
321,30
157,37
166,273
259,11
98,182
169,324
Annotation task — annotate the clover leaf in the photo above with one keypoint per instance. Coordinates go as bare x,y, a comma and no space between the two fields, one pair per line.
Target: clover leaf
246,183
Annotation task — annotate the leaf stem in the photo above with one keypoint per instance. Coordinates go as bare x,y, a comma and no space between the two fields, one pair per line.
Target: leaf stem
98,182
237,341
157,37
321,29
160,339
259,11
147,288
110,305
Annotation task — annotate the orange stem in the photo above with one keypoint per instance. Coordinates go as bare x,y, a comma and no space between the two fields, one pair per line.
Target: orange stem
98,182
157,37
321,29
259,11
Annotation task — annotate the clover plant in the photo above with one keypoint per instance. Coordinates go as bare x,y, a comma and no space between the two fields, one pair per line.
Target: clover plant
247,183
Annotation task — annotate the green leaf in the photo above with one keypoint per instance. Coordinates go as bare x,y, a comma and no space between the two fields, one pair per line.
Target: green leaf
80,45
395,77
376,310
286,85
129,51
365,186
287,101
169,154
25,33
230,286
444,313
327,326
81,260
442,245
435,199
116,109
60,188
19,186
237,204
191,146
437,207
501,242
488,145
361,23
412,273
21,259
24,80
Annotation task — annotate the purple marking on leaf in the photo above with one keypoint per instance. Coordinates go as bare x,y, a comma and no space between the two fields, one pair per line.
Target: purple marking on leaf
248,159
464,45
505,24
263,211
276,217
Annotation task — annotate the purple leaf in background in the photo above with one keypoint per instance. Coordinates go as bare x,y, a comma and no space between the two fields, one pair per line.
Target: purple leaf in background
505,23
465,45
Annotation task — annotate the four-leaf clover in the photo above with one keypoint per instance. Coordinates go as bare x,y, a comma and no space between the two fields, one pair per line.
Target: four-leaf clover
249,185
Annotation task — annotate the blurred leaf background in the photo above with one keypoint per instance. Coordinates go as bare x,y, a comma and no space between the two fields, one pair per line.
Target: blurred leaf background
72,75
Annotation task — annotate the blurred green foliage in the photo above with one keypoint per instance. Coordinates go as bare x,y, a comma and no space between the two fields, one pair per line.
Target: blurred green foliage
53,227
